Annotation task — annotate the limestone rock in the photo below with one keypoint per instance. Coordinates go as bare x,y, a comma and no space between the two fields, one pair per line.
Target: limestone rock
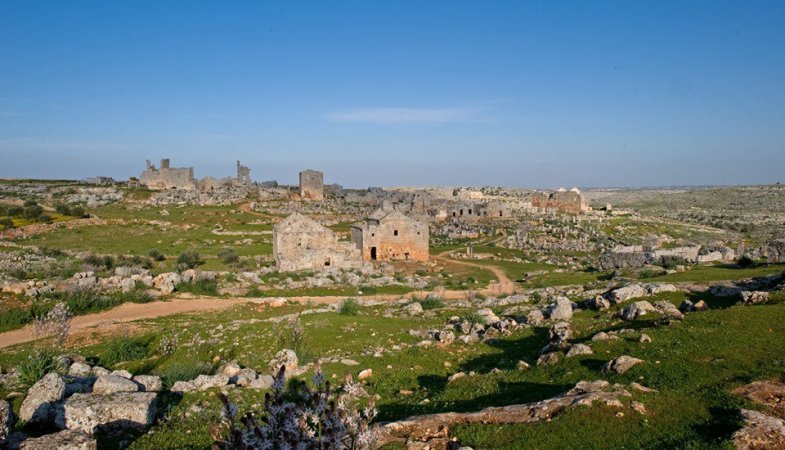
39,405
636,310
201,383
754,297
628,292
261,382
413,309
64,440
579,349
621,364
760,431
365,374
148,383
6,420
561,309
548,359
90,412
286,358
535,318
489,317
80,369
112,384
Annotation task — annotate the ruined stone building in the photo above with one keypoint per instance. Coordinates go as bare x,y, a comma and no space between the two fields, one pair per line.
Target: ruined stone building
243,174
473,211
391,235
301,243
311,185
571,201
167,177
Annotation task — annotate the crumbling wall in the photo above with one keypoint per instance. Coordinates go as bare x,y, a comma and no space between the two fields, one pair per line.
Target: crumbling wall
571,201
311,185
392,237
168,177
301,243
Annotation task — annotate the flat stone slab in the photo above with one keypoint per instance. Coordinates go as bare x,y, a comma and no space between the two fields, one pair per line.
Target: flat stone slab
90,412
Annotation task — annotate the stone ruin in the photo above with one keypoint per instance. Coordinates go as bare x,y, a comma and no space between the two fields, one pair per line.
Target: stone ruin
391,235
634,256
571,201
312,185
182,178
301,243
167,177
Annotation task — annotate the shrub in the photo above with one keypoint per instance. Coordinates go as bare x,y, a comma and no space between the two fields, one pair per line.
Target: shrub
189,259
349,307
38,364
228,256
648,273
32,212
14,211
184,371
156,255
123,349
7,222
135,260
745,261
201,287
29,203
473,318
432,303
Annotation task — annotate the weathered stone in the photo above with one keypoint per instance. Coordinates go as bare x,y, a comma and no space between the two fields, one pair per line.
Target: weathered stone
286,358
760,431
668,309
548,359
621,364
754,297
656,288
445,336
201,383
112,384
560,309
455,376
579,349
122,373
603,336
6,420
775,251
628,292
535,317
80,369
148,383
43,396
644,339
636,310
64,440
365,374
413,309
599,303
90,412
261,382
488,316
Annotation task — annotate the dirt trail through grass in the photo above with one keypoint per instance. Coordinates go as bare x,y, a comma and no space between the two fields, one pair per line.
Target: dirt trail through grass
505,285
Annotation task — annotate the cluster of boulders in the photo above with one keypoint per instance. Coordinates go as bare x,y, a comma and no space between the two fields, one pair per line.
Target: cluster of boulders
636,256
94,196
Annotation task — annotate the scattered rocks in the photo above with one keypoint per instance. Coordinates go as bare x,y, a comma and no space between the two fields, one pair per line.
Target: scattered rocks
286,358
760,431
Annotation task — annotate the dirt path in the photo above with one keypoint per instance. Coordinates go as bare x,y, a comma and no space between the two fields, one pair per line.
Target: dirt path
246,208
505,285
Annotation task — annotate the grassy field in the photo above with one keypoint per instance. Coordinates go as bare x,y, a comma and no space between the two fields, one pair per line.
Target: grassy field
693,364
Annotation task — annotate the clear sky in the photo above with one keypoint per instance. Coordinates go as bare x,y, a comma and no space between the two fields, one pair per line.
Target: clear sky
380,93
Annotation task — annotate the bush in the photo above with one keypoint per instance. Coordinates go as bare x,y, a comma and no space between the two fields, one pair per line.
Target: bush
14,211
189,259
7,222
228,256
745,261
156,255
105,262
432,303
32,212
201,287
37,365
135,260
349,307
472,317
123,349
184,371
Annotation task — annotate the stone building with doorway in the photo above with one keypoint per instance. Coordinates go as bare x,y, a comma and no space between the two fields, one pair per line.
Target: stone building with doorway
301,243
311,185
391,235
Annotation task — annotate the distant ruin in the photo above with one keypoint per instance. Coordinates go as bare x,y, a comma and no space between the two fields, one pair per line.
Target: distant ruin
301,243
571,201
390,235
311,185
182,178
167,177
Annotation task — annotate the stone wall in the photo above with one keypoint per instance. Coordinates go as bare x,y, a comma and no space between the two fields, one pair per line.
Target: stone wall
167,177
571,201
311,185
301,243
391,236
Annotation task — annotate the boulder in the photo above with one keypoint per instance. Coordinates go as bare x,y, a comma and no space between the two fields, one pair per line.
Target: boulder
668,309
548,359
599,303
365,374
603,336
656,288
413,309
579,349
628,292
561,309
64,440
775,251
112,384
166,282
40,404
148,383
445,336
80,369
201,383
91,413
535,318
760,431
286,358
244,377
621,364
636,310
488,316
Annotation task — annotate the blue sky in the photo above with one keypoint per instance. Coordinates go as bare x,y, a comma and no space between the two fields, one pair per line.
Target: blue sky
519,93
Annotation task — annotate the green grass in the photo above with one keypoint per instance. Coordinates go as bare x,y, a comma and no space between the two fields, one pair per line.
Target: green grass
703,273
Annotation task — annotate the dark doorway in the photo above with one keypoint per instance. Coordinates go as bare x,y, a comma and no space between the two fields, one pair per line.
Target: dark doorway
373,253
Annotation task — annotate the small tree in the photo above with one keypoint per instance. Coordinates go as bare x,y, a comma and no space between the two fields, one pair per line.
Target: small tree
189,259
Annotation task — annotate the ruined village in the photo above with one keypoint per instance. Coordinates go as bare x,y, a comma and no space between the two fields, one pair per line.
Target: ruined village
152,312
